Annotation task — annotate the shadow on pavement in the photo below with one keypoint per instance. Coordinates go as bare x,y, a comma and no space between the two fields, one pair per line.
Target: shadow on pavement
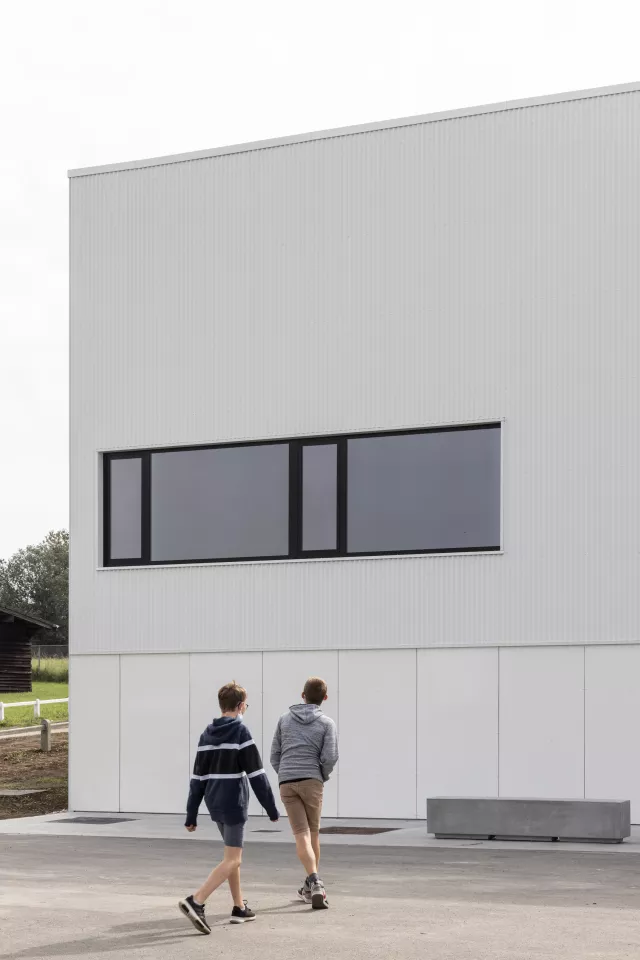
102,944
147,933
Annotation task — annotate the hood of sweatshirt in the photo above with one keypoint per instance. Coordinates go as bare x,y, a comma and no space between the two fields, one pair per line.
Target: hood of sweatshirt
305,712
222,729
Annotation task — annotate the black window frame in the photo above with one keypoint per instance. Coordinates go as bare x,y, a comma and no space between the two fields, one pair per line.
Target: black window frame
145,509
296,446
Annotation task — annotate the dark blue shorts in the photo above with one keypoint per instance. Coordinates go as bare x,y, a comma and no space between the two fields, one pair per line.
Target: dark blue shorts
232,833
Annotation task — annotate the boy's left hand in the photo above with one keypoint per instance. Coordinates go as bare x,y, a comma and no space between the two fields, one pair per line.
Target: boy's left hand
192,828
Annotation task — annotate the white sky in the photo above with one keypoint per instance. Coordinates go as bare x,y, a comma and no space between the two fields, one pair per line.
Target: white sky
84,84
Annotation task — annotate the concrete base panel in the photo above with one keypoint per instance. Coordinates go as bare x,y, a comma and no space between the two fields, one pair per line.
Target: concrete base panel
600,821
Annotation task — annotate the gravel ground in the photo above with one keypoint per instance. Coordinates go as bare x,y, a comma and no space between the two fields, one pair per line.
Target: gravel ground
24,767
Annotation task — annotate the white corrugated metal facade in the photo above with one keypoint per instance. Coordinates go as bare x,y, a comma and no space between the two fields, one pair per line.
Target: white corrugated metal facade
439,271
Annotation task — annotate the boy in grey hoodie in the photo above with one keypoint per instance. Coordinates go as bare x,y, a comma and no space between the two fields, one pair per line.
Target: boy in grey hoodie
303,754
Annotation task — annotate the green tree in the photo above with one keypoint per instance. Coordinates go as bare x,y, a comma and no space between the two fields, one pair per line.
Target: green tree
35,581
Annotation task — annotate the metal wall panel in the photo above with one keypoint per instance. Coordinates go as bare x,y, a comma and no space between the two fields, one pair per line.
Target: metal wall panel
377,704
207,673
284,677
457,724
612,721
156,753
474,268
94,745
563,721
541,704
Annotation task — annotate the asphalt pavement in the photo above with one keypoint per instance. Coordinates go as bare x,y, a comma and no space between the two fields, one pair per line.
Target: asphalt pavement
68,897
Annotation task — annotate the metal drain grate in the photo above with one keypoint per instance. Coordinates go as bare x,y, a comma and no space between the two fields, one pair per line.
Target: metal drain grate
95,821
357,831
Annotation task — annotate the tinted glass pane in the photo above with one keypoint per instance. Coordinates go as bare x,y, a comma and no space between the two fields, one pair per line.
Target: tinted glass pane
126,495
430,491
231,502
319,496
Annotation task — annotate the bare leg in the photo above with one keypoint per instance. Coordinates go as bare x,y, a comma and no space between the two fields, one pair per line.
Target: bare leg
315,846
236,889
231,863
305,852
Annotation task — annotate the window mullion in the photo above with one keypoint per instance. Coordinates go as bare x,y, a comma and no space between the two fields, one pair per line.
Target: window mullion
295,498
146,508
342,496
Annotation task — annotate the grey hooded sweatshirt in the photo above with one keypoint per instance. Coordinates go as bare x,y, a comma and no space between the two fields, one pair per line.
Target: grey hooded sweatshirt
305,744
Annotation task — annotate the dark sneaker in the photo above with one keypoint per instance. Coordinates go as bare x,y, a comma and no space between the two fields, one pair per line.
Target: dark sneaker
243,915
304,893
319,896
194,912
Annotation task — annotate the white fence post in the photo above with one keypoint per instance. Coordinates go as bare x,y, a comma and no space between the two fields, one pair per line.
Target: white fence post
1,711
36,709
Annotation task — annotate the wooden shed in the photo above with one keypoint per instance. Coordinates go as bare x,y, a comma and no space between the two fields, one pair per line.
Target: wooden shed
16,632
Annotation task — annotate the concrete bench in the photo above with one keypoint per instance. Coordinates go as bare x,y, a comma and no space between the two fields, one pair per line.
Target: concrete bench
597,821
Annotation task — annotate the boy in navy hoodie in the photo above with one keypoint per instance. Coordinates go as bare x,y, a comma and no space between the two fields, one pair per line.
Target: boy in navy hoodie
226,762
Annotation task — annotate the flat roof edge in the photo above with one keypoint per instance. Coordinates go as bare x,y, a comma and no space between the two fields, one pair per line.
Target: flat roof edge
360,128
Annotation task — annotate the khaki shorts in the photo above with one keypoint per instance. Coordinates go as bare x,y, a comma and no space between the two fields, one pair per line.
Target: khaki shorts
303,803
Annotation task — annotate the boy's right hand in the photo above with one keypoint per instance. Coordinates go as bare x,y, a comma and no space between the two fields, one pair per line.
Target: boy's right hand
191,828
274,819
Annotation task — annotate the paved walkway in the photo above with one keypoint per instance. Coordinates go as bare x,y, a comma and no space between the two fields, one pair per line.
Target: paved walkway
401,833
82,897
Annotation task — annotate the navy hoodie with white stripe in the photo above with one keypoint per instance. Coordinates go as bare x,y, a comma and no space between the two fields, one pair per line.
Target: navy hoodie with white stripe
226,762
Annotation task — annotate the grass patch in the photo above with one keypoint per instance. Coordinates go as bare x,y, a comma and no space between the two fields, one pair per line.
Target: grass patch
23,716
50,670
